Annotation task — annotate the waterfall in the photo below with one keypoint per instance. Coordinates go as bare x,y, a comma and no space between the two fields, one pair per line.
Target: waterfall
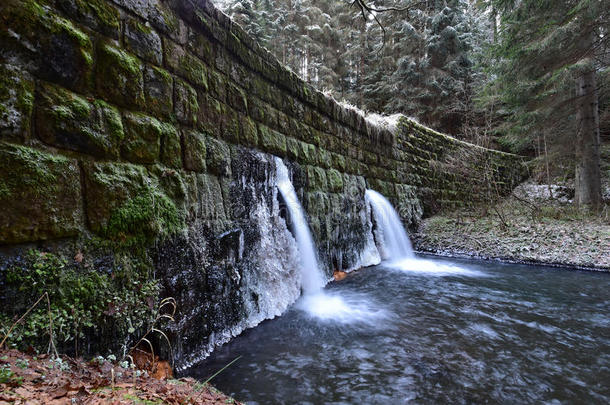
311,277
391,235
395,246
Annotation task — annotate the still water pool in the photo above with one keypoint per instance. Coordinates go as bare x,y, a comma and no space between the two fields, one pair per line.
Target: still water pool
430,331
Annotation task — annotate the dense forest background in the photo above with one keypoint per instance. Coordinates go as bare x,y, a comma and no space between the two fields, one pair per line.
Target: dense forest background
498,73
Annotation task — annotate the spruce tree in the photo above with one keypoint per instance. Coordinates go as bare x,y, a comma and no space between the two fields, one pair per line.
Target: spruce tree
546,62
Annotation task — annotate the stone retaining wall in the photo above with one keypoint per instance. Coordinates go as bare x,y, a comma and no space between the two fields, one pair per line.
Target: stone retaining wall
129,122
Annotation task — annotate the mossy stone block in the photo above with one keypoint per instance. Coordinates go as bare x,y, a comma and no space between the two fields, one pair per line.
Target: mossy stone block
69,121
383,187
318,203
143,41
307,153
126,203
162,17
272,141
241,76
195,151
338,162
249,133
316,178
16,103
40,195
284,125
231,130
171,147
257,109
223,61
158,91
351,165
218,85
119,76
314,136
200,46
185,64
55,49
260,88
211,114
236,98
143,135
206,198
335,180
218,157
95,14
293,148
186,106
324,158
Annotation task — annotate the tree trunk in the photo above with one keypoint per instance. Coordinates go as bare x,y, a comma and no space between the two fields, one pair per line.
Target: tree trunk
588,177
494,25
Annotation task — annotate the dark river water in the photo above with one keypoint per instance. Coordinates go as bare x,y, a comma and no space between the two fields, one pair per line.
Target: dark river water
432,331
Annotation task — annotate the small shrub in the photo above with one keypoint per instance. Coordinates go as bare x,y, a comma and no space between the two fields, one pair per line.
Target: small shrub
88,306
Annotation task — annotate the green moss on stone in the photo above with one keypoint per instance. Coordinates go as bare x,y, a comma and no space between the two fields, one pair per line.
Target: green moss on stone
143,135
248,132
96,14
16,103
171,153
143,41
147,213
324,158
40,195
211,115
194,151
307,153
120,77
236,98
186,106
316,179
194,70
292,148
67,120
59,51
218,157
128,204
335,180
338,162
231,130
158,91
272,141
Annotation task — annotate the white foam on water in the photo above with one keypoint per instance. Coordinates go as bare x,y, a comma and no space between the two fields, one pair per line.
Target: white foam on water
431,268
341,308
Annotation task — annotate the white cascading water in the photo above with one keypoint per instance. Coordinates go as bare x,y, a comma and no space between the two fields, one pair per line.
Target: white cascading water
395,242
311,277
318,303
395,246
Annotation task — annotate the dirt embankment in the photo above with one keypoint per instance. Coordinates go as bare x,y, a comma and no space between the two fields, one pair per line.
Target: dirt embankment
535,224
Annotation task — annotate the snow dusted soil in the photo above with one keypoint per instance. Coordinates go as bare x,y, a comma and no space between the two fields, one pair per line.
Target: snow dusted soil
526,227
